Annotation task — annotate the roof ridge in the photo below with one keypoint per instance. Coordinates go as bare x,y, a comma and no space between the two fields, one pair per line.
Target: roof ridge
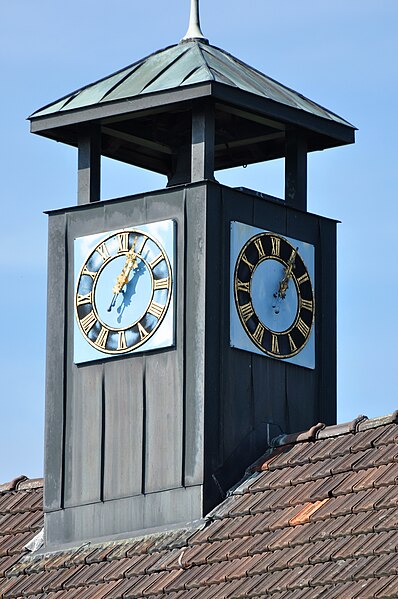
21,483
206,66
322,431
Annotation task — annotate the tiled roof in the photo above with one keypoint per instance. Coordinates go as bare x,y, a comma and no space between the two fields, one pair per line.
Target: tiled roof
317,516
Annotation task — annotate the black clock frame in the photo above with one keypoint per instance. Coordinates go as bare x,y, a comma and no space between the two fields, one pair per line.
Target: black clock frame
272,246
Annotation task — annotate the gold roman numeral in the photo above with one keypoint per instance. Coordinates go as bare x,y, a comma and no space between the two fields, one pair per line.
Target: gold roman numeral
276,246
144,240
246,261
259,333
103,252
143,332
307,304
156,309
123,242
259,247
88,322
102,338
161,283
243,286
303,278
293,346
247,311
89,273
122,344
156,261
303,327
81,300
275,345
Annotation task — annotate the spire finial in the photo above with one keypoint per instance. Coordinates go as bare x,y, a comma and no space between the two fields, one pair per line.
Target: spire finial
194,32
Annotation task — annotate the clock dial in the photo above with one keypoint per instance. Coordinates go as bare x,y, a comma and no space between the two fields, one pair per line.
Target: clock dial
123,291
273,295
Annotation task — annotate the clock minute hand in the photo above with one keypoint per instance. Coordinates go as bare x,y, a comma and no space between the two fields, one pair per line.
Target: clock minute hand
123,278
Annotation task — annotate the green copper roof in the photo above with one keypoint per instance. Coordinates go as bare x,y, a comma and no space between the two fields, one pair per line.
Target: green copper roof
185,64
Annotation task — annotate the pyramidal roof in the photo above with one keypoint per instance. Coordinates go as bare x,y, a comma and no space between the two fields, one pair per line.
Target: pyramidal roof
188,63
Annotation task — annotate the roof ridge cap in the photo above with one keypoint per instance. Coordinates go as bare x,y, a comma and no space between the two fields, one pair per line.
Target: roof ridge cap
30,483
300,437
12,485
322,431
22,483
378,421
206,66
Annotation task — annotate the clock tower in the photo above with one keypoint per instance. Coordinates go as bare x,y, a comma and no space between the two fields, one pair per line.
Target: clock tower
186,326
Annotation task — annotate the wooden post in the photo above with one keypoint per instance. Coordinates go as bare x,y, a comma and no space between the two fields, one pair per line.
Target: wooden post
203,140
296,170
89,166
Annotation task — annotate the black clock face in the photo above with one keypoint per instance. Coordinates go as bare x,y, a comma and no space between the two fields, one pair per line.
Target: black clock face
274,295
123,291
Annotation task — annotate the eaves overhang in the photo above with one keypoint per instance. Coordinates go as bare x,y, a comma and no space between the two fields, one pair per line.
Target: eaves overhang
144,111
121,118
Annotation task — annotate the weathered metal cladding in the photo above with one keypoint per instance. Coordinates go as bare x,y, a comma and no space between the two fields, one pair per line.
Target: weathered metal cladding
184,64
105,441
128,437
143,113
251,398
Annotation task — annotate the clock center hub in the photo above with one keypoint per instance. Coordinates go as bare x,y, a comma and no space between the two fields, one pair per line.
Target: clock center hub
132,302
275,312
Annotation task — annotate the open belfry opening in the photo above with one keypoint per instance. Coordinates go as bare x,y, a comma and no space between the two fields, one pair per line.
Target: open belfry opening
187,326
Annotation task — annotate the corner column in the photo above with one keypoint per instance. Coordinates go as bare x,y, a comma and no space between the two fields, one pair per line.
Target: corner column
296,170
89,165
203,139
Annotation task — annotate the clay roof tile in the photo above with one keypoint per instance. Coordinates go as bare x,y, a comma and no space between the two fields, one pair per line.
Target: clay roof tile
321,520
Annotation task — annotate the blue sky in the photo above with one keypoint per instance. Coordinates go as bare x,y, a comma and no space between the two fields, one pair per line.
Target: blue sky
341,54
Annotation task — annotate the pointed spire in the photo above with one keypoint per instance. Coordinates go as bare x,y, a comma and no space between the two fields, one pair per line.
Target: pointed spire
194,32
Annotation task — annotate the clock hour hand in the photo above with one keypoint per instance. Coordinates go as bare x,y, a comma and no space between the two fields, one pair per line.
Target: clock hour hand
123,278
284,283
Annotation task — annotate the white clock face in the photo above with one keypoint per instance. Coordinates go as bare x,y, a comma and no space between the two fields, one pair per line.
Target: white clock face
272,295
124,291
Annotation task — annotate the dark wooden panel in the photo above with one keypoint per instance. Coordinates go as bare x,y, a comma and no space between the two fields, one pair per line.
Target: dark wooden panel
194,324
55,361
270,397
302,384
270,216
84,389
327,294
83,436
236,391
164,376
302,398
164,423
123,427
